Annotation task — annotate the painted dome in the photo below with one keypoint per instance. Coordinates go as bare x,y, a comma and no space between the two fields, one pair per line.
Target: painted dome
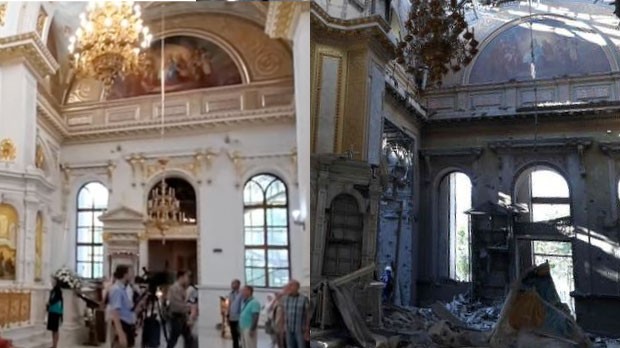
562,47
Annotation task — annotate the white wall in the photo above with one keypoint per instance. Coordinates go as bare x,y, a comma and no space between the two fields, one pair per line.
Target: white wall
220,200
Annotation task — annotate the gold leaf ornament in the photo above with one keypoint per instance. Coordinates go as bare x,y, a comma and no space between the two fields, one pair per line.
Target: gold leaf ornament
8,152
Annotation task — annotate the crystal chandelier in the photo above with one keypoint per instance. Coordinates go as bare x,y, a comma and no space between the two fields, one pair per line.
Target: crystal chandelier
435,42
109,40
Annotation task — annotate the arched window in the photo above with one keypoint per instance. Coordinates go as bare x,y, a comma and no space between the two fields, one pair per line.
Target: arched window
547,195
454,200
266,232
545,192
92,201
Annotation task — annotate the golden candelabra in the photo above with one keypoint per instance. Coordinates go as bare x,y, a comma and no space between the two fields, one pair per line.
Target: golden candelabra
164,209
109,40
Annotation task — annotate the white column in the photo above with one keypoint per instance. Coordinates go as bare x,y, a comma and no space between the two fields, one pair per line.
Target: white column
301,56
18,97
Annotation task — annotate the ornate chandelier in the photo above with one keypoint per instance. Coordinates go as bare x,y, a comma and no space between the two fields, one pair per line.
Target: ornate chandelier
108,42
164,209
434,44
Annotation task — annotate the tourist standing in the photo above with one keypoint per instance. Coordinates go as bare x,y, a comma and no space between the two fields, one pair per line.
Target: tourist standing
121,310
248,319
297,316
235,299
54,311
179,311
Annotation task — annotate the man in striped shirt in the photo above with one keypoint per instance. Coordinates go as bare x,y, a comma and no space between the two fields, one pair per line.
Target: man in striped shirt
297,316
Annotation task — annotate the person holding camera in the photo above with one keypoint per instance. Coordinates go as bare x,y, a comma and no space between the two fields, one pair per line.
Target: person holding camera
121,310
179,310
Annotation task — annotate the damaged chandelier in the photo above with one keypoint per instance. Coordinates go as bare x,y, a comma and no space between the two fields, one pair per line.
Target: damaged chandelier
435,42
108,42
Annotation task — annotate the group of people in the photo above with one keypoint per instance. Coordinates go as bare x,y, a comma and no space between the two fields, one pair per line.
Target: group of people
288,317
124,303
287,312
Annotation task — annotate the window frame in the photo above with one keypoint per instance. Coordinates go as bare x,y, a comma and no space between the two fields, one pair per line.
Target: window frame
92,230
266,247
547,200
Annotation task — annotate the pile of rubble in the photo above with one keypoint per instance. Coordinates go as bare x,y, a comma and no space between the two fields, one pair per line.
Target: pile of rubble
474,314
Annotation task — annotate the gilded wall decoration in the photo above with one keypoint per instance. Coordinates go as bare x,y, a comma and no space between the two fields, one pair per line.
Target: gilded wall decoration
9,224
14,307
39,157
190,63
41,21
8,151
2,13
38,247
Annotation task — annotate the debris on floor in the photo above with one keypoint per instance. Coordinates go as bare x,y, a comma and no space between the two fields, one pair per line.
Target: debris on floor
532,316
533,309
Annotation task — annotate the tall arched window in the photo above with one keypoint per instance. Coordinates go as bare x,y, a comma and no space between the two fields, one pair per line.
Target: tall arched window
266,232
92,201
454,200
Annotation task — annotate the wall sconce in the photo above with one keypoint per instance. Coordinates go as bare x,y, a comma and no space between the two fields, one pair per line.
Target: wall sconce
298,218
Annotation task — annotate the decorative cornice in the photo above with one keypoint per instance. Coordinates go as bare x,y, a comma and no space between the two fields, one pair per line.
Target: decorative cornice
153,127
370,27
406,101
32,50
610,148
474,151
282,17
574,143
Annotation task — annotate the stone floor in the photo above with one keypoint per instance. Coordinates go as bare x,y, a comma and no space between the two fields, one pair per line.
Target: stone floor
215,341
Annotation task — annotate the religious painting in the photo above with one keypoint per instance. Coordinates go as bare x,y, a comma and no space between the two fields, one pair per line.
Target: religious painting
561,48
8,241
38,246
189,63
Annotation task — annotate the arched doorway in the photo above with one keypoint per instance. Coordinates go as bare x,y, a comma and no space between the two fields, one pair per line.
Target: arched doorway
178,249
343,247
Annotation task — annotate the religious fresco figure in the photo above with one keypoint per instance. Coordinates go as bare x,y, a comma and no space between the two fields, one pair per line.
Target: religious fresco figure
509,54
8,241
189,63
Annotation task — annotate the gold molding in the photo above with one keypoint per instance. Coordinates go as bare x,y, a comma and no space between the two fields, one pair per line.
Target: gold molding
39,157
3,13
281,18
8,151
321,52
41,19
30,48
